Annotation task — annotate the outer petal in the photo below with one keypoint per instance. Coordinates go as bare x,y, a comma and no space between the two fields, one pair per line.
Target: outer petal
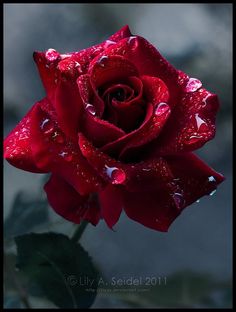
111,204
17,148
51,64
69,108
195,177
157,209
153,209
150,174
69,204
124,32
191,124
53,152
48,72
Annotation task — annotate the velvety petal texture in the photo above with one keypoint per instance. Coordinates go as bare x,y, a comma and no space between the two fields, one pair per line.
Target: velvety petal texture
116,130
67,202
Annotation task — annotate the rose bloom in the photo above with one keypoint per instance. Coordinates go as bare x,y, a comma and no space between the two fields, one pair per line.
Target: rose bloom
116,131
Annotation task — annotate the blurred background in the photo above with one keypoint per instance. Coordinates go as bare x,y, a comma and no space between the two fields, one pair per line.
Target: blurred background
195,256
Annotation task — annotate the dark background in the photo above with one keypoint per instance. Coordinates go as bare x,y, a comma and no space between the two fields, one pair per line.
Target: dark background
195,38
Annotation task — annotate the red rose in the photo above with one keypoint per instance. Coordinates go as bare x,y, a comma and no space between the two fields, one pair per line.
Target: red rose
121,122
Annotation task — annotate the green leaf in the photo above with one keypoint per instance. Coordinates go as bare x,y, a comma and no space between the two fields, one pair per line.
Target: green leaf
61,268
25,215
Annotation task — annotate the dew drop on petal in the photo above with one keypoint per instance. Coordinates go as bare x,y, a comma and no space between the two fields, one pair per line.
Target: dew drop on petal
46,126
58,137
211,179
68,157
201,124
63,56
101,60
193,139
212,193
161,108
131,39
193,85
91,109
179,200
146,169
117,175
108,43
52,55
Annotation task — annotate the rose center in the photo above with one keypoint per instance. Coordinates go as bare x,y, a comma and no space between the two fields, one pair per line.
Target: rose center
124,106
118,94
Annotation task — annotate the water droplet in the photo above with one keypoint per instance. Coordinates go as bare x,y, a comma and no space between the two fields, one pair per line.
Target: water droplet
146,169
78,67
101,60
198,201
58,137
193,85
179,200
131,39
117,175
211,179
63,56
201,124
52,55
66,156
47,126
91,109
108,43
212,193
161,108
193,139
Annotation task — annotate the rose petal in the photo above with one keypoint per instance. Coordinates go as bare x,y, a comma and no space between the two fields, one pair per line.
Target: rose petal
116,147
191,124
163,205
111,204
69,204
124,32
48,72
69,108
184,180
17,149
155,90
108,69
109,169
148,61
51,64
99,131
128,92
89,96
151,174
54,152
194,177
159,212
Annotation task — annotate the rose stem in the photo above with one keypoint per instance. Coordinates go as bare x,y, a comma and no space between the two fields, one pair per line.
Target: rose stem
79,231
